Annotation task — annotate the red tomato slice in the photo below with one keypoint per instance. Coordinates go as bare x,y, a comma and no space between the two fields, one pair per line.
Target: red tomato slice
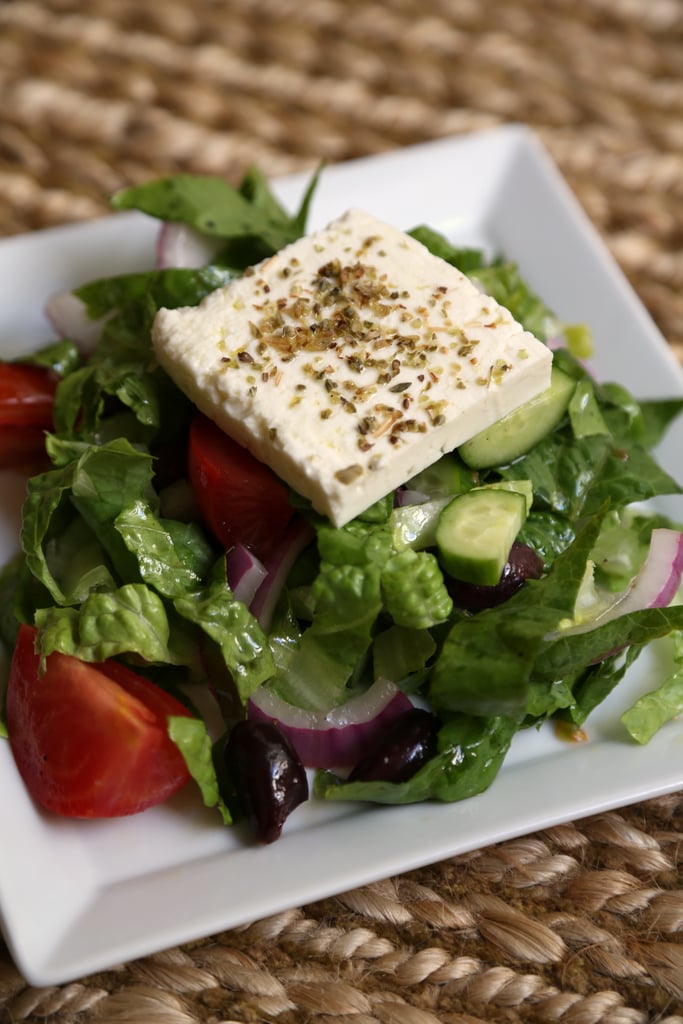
23,448
26,399
26,394
241,499
90,741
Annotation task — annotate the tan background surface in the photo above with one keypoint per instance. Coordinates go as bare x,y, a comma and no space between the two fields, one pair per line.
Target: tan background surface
578,924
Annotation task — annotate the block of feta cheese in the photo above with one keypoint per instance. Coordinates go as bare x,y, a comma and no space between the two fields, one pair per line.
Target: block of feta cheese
351,360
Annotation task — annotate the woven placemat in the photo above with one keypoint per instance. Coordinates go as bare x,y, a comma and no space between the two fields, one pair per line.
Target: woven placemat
580,924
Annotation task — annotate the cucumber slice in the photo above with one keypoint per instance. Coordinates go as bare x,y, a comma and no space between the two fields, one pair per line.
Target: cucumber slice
446,476
518,432
524,487
476,531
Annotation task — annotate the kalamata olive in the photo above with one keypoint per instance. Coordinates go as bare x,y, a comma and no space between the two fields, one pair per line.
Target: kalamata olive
266,778
407,744
523,564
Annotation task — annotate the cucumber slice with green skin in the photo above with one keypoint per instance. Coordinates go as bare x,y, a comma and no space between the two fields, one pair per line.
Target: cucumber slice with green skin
518,432
524,487
476,531
447,476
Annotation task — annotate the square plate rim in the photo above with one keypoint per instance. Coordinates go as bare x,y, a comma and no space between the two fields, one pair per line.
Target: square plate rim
70,954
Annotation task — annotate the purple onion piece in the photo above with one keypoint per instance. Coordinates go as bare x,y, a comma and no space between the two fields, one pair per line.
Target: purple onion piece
68,316
245,573
179,245
297,537
336,738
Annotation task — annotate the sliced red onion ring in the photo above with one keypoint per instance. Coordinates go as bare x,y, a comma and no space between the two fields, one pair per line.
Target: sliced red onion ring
245,573
179,245
69,317
335,738
653,587
296,537
658,580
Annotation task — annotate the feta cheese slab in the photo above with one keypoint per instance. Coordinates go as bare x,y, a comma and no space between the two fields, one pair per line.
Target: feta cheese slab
351,360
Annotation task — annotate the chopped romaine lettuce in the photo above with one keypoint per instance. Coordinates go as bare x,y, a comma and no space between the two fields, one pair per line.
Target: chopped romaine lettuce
103,573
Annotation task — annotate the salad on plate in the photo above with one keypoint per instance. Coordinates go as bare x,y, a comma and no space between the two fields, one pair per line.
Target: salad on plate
181,613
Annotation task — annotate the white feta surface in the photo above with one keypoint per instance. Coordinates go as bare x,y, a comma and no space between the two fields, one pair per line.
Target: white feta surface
350,361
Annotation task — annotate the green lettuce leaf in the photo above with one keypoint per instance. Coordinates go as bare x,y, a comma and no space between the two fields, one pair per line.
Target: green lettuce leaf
192,740
501,645
168,568
122,366
591,685
413,590
347,601
660,705
584,411
129,620
97,483
399,653
227,621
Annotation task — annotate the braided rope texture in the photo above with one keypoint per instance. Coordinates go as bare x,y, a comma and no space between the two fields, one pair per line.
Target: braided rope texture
580,924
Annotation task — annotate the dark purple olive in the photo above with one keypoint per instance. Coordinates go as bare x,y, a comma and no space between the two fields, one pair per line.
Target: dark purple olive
408,743
523,564
266,776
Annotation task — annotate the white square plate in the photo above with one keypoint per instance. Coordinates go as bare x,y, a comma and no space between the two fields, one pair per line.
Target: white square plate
77,897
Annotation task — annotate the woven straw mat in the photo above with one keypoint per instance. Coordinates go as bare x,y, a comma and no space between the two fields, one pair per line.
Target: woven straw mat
579,924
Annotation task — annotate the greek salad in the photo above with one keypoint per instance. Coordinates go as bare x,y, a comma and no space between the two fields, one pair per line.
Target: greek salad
178,615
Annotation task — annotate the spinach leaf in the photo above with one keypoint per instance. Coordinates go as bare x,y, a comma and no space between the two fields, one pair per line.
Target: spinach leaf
566,654
471,752
62,357
249,213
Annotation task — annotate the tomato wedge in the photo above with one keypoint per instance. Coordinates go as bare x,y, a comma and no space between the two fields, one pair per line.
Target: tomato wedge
26,399
240,499
90,740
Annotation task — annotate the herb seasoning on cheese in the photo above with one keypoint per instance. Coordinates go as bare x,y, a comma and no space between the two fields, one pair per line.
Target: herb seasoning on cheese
350,361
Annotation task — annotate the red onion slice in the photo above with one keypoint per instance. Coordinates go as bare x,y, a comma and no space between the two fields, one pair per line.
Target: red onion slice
653,587
658,580
335,738
297,536
245,573
68,316
179,245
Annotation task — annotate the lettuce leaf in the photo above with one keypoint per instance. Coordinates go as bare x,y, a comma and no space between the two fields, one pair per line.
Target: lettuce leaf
413,590
171,569
660,705
129,620
502,645
227,621
192,740
97,483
